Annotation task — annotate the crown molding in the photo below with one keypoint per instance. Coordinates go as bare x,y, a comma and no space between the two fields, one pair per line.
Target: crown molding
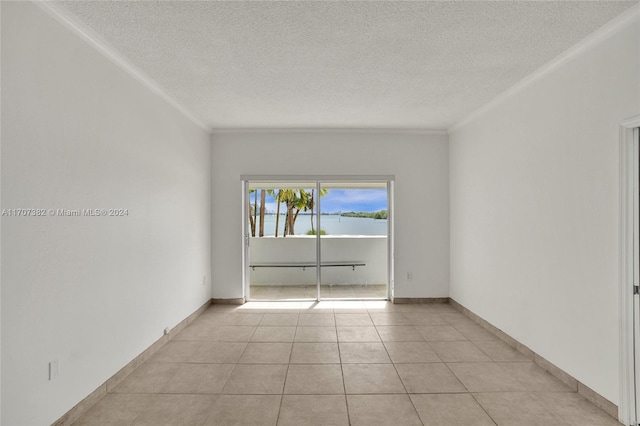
371,130
92,38
629,17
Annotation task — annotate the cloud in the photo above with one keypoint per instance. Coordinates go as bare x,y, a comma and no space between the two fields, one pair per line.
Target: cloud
359,200
344,200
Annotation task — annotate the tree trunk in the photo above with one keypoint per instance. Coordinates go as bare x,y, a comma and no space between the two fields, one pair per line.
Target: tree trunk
291,220
255,213
295,217
312,205
277,213
263,195
252,222
286,223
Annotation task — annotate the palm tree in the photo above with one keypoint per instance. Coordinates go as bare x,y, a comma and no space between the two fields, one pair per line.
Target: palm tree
255,211
287,196
311,203
276,195
252,219
294,200
263,195
279,201
299,202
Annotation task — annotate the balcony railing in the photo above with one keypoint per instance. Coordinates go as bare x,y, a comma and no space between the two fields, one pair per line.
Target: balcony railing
345,260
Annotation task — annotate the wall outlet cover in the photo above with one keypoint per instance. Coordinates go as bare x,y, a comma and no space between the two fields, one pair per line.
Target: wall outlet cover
53,369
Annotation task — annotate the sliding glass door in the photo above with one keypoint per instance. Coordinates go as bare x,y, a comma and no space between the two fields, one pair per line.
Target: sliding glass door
316,239
353,240
281,249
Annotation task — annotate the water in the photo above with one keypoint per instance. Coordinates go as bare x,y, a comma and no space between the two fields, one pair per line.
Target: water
331,223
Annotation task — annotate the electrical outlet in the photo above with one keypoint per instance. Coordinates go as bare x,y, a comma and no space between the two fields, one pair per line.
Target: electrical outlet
409,276
204,280
53,369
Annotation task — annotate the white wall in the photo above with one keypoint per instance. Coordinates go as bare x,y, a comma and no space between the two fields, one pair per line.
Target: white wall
371,250
91,292
0,234
534,210
418,161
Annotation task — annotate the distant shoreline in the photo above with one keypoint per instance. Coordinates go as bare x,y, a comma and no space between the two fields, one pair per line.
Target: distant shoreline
331,224
302,213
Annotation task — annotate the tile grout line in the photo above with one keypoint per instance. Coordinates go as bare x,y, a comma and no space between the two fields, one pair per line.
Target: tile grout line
480,405
398,374
458,379
344,385
286,375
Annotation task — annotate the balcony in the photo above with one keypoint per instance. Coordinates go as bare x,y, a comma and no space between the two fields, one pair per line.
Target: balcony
352,266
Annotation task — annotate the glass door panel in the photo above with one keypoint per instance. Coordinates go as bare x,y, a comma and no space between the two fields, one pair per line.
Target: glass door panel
353,240
282,252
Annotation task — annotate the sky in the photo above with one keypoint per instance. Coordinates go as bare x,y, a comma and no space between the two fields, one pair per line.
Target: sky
343,200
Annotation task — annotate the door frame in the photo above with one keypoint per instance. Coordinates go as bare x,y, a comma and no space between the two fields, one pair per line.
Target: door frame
245,179
629,166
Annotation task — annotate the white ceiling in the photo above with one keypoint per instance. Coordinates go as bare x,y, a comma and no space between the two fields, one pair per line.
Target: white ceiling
413,65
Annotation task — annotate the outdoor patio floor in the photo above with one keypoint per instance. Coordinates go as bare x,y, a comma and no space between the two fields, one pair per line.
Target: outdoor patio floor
284,292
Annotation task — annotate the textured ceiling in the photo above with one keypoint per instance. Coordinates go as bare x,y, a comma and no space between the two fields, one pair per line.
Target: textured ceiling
422,65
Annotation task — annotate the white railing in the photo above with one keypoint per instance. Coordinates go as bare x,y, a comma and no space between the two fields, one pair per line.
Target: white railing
347,260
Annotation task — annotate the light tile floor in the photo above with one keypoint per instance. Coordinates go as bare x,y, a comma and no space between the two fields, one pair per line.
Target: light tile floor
340,363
